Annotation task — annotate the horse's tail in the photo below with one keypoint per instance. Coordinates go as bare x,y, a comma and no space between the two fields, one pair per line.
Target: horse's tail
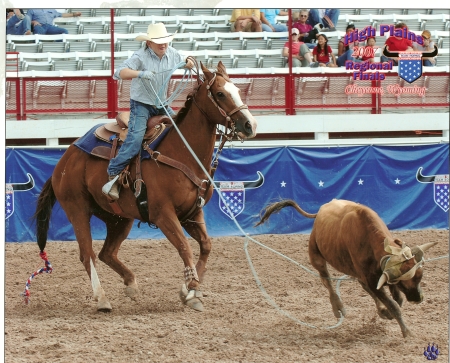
45,203
276,207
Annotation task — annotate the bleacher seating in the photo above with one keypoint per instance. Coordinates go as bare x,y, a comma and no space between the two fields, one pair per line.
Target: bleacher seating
199,31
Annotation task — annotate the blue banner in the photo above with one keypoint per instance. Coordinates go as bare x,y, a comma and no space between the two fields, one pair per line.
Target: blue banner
406,185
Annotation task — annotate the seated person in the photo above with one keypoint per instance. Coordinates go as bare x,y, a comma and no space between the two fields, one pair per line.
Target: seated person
300,22
301,55
370,43
397,44
17,23
428,46
327,17
345,51
246,20
42,21
269,22
323,53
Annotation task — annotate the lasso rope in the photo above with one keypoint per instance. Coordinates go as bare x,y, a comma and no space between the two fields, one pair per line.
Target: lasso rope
47,269
247,238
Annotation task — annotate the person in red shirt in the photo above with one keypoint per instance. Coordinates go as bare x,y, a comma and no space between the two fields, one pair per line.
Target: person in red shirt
323,53
370,43
301,55
397,44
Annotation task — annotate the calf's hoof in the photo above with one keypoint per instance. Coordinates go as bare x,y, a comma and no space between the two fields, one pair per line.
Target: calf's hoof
407,333
191,298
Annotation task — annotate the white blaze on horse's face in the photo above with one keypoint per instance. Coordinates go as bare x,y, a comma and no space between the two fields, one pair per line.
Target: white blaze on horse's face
235,96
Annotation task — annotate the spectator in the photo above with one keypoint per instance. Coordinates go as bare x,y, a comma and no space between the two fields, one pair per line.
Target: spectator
42,21
300,22
370,43
428,46
345,51
246,20
327,17
17,23
301,55
269,22
323,53
397,44
149,64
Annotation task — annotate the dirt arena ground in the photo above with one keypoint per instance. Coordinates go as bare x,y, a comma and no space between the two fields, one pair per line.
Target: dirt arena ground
61,323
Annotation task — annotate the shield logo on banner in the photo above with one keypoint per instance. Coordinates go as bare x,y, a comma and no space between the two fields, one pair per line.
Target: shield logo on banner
410,66
9,194
9,201
232,202
233,194
441,191
440,187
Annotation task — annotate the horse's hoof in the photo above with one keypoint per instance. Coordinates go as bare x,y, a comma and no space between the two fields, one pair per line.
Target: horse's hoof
191,298
195,304
104,305
132,291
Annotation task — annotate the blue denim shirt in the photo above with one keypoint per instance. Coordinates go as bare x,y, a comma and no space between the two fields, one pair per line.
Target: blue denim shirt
145,59
43,16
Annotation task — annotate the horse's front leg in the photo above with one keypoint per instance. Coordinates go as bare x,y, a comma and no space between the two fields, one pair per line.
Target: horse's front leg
190,293
197,230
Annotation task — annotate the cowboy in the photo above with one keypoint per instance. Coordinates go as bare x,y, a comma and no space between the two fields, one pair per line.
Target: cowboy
150,64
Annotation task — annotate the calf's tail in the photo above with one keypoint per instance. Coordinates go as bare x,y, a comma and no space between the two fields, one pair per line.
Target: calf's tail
278,206
45,203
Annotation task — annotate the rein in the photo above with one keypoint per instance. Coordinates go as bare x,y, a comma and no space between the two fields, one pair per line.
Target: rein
203,185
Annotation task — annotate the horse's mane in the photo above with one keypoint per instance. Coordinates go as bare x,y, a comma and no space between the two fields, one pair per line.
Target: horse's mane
190,97
184,110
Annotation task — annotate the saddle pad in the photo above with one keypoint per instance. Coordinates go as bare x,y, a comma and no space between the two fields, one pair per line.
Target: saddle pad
89,142
92,145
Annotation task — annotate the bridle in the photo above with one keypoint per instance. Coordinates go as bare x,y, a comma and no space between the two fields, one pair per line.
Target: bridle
229,122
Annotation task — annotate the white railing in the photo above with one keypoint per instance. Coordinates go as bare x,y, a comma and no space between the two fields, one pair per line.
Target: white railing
320,125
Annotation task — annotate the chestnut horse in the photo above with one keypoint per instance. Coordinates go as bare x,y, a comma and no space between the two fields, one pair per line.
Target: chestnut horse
78,178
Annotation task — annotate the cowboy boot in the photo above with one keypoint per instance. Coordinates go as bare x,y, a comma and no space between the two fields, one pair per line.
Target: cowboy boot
111,189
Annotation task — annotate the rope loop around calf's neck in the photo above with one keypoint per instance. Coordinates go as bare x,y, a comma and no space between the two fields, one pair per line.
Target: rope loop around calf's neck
47,269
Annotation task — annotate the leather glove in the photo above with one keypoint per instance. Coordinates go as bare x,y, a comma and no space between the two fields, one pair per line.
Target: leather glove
146,74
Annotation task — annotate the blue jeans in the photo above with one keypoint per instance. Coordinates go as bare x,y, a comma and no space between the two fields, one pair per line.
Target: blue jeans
314,19
346,56
49,29
15,26
386,59
277,27
139,114
427,63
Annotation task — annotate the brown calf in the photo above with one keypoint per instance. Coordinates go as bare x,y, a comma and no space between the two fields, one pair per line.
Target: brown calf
354,240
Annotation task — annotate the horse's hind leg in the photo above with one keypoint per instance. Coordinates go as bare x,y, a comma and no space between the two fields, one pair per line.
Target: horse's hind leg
197,230
81,225
118,229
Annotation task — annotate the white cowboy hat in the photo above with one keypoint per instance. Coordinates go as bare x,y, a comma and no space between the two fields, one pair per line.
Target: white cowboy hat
157,33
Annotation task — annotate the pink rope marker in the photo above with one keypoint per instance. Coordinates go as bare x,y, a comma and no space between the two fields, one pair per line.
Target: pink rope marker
48,269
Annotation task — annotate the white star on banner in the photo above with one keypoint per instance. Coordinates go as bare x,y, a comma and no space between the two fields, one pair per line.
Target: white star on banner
397,181
360,181
321,183
283,184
